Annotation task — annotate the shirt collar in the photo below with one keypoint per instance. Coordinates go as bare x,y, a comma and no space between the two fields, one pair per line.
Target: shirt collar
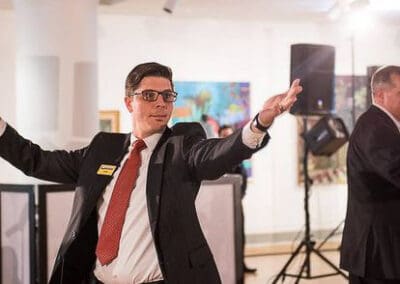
396,122
151,141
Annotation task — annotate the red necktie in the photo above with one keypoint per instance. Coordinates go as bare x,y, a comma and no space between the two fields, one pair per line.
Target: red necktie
108,243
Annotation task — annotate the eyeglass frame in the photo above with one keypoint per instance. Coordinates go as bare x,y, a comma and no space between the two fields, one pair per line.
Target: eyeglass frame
175,95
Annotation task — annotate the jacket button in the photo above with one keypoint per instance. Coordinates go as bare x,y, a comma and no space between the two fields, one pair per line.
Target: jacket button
73,235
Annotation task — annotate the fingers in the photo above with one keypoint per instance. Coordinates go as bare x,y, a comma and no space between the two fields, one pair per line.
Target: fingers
290,96
295,88
281,108
295,83
278,104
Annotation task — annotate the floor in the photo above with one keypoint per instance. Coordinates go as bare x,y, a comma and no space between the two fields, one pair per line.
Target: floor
269,266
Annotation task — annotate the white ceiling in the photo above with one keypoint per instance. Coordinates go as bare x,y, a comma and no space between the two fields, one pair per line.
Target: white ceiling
258,10
226,9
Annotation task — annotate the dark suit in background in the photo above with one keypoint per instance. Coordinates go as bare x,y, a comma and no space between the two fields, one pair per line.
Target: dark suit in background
371,236
240,170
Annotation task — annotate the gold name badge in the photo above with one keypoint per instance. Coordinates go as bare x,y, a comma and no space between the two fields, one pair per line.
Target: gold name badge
106,170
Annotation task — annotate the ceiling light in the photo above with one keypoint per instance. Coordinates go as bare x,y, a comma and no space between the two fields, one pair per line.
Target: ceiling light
170,6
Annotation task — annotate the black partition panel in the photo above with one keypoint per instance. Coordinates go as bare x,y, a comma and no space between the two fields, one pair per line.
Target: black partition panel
54,209
34,219
17,237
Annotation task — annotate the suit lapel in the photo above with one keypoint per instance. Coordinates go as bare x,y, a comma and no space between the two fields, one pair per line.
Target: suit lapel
154,179
115,153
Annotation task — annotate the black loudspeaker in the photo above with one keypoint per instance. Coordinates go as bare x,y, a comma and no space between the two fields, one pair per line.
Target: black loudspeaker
315,66
327,136
370,71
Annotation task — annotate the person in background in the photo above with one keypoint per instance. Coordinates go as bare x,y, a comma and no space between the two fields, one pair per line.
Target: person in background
134,218
209,126
370,248
224,131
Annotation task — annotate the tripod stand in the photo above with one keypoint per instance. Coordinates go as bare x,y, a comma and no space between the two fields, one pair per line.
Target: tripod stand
307,243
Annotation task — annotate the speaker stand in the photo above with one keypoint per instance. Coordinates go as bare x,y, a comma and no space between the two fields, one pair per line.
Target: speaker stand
307,244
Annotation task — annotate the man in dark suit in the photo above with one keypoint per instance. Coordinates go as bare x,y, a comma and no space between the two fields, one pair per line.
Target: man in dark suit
151,234
370,248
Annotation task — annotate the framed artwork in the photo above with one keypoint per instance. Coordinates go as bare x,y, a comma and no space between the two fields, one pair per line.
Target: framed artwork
213,104
224,102
109,120
332,170
343,99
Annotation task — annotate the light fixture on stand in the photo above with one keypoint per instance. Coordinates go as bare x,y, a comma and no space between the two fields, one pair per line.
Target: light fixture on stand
315,65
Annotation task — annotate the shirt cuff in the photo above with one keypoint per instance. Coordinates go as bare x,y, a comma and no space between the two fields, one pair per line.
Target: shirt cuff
251,139
3,125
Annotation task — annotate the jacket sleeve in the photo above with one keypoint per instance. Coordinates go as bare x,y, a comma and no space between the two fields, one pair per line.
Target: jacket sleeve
211,158
57,166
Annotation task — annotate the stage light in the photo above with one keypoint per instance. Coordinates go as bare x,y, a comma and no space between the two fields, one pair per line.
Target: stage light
326,136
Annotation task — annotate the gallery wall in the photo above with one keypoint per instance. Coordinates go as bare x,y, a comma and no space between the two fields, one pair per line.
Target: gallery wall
222,50
257,52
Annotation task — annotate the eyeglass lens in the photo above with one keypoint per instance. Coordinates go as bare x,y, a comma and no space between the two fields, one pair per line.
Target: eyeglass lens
151,95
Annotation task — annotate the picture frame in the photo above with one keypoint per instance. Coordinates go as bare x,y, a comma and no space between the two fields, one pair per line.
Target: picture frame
109,120
213,104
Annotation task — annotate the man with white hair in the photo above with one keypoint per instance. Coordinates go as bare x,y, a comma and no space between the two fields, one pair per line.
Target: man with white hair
371,238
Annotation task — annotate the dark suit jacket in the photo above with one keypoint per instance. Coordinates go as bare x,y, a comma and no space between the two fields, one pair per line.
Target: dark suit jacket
371,236
240,170
180,161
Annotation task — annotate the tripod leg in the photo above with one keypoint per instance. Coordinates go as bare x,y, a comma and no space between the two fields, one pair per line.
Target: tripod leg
337,269
305,264
283,271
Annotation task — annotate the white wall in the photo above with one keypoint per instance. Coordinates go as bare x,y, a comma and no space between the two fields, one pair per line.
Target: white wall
8,49
7,64
217,50
258,52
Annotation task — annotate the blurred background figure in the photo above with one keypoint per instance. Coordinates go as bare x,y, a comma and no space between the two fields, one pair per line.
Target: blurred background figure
224,131
210,125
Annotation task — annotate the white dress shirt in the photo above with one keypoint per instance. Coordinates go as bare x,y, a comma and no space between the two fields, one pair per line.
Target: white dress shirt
137,260
3,125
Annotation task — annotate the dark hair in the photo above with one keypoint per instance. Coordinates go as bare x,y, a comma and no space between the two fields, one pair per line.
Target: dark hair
145,70
223,127
204,117
383,76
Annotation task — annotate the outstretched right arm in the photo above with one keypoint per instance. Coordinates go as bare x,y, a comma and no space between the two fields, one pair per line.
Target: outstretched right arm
57,166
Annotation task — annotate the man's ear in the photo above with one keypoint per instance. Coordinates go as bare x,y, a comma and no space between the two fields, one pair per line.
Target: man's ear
128,103
378,96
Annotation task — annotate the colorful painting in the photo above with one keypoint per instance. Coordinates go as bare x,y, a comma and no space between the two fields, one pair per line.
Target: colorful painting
332,170
225,102
344,99
217,103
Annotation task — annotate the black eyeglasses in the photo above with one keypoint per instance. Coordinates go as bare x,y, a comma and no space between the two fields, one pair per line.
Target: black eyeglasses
152,95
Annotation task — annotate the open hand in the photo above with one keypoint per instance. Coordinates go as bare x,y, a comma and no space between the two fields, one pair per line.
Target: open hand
278,104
